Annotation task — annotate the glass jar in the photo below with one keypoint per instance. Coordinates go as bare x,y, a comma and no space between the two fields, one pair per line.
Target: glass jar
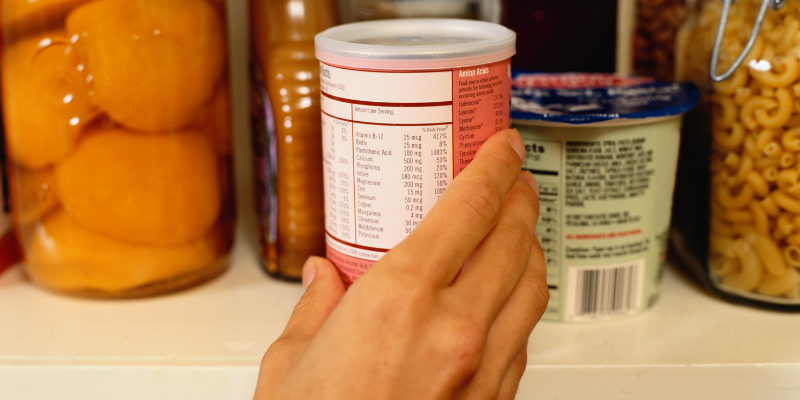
119,142
657,23
750,127
286,131
9,247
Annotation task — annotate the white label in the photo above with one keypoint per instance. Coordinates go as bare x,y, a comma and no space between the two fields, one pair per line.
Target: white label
370,147
605,199
392,142
387,87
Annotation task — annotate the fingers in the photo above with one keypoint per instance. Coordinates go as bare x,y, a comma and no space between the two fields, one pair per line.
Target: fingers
523,309
502,365
324,290
467,211
510,385
495,268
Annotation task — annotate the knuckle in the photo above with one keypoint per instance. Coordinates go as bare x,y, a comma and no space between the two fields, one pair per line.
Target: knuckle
464,347
401,296
520,362
276,353
483,202
518,238
302,304
537,263
536,294
529,207
532,200
302,312
509,161
306,302
402,287
537,248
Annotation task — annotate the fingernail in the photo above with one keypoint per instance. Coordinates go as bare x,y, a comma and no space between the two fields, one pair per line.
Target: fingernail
528,176
309,272
517,144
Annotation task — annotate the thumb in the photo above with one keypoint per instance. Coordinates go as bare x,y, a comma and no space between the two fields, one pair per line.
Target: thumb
324,290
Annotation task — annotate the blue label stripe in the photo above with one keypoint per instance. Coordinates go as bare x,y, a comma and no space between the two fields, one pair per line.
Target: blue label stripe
581,106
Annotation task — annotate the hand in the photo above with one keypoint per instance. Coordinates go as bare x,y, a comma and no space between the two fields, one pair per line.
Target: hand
444,315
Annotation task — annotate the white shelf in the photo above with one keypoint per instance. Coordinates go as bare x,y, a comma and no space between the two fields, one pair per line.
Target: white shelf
207,342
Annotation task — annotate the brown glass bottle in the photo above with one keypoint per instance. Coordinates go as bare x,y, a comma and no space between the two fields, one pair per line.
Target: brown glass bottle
292,220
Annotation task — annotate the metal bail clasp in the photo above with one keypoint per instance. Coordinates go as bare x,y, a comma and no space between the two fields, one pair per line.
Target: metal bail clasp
723,21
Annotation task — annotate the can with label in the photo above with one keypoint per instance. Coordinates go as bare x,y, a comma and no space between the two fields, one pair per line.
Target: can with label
604,149
405,105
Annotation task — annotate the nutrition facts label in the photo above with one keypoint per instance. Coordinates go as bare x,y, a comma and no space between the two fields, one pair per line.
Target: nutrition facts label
543,159
594,197
392,142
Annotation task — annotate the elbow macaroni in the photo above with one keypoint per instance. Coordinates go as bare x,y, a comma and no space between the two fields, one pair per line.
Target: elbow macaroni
755,180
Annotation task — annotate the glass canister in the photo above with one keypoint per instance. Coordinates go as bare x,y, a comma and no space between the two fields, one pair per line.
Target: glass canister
657,24
287,130
751,130
119,142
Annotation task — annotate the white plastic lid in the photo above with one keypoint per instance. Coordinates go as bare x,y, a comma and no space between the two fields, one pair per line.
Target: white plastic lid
415,44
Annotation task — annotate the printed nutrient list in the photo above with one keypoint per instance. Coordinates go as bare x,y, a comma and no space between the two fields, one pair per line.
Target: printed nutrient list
392,143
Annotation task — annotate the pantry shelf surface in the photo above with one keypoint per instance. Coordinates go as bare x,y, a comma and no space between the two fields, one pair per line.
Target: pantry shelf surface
207,342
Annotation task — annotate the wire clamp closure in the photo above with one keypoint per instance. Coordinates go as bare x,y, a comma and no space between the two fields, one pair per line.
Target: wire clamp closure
723,22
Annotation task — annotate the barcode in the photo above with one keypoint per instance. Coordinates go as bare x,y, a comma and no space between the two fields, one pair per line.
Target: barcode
602,292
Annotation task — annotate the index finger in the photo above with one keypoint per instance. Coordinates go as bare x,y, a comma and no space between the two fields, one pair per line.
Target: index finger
468,209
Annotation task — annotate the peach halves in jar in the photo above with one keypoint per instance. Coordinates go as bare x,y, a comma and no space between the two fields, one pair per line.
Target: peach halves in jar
118,131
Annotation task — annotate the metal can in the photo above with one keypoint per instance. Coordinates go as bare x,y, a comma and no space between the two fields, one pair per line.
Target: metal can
405,106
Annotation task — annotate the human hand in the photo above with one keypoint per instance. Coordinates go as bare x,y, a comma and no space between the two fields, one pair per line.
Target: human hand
408,329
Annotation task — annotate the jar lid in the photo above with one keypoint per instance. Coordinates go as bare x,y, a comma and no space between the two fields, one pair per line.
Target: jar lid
415,43
583,98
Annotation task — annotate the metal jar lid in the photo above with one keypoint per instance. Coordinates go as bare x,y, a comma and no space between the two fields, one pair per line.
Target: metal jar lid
723,22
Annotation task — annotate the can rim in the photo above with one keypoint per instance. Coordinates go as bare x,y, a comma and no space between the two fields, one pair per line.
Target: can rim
447,41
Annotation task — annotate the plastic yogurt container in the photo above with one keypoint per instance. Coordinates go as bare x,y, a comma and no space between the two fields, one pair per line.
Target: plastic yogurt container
405,105
604,149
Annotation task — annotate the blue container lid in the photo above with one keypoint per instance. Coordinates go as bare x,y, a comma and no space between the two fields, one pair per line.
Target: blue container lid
591,98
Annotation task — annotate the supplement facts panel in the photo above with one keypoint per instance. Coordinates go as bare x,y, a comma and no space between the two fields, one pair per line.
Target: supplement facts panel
392,143
387,156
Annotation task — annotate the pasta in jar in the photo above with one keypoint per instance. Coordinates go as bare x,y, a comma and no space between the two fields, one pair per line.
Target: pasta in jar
754,125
